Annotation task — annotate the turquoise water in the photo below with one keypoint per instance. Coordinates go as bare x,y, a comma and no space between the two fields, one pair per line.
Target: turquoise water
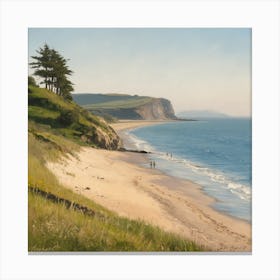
214,153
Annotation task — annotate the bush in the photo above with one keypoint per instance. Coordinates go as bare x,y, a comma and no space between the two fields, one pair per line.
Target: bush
68,117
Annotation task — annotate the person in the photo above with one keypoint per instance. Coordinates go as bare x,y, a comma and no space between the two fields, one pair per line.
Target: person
154,164
151,164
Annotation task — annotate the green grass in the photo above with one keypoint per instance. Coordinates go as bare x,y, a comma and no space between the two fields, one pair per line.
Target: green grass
48,99
35,111
45,108
120,104
52,227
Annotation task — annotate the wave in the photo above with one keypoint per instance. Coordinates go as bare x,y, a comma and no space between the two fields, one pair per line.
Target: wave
139,143
240,190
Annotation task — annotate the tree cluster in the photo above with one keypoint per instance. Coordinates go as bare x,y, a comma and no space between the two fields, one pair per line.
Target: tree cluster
52,68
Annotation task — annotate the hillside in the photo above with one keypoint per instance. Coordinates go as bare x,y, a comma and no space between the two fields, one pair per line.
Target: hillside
60,219
67,119
123,106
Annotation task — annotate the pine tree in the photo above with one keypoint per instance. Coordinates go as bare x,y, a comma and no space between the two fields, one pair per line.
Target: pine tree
53,69
42,64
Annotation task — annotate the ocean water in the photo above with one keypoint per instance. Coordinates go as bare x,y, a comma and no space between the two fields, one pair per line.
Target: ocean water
214,153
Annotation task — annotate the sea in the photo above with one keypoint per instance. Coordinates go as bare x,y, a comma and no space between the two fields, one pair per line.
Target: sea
214,153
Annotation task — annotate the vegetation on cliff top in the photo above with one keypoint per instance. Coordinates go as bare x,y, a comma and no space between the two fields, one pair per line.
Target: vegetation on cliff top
111,100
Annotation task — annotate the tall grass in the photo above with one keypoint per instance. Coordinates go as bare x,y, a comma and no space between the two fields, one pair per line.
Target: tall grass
52,227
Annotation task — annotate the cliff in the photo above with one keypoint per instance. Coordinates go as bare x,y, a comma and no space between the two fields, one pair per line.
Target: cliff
156,109
122,106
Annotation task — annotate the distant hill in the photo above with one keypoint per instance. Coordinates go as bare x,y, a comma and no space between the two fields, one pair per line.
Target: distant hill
94,98
200,114
122,106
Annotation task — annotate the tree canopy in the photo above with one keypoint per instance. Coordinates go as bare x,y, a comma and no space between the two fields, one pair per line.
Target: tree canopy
52,67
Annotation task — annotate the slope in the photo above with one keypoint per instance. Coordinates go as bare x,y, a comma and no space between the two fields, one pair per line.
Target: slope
67,119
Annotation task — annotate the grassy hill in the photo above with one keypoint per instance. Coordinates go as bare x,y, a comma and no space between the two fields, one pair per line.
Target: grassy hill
120,103
68,119
61,220
122,106
93,99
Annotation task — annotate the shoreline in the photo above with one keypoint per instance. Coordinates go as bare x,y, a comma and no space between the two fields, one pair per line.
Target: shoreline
125,126
118,181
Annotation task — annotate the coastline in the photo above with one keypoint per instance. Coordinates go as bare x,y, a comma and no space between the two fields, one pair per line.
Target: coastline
123,126
117,181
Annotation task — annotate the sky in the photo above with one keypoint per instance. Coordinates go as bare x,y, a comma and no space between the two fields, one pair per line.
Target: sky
195,68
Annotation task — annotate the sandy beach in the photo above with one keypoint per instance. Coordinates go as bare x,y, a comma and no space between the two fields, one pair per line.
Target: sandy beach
116,180
122,126
129,124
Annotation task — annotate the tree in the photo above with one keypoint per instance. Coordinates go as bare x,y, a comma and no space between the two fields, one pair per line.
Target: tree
53,69
31,81
42,64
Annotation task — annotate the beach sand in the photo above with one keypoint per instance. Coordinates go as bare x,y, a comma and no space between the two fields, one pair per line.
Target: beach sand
117,181
129,124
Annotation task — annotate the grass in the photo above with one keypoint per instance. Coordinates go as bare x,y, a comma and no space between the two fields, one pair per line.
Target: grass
35,111
55,228
120,104
45,107
87,98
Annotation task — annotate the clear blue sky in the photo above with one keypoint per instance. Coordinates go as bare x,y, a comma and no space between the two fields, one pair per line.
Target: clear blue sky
197,69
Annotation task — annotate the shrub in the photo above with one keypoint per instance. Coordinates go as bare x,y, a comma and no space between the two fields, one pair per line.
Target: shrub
68,117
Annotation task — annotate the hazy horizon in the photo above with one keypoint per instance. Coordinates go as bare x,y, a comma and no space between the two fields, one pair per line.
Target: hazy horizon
205,69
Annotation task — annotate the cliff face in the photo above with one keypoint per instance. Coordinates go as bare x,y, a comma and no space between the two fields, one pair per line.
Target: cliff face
106,139
157,109
154,109
123,106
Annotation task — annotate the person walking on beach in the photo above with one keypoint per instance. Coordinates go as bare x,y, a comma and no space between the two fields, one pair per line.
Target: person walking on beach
154,164
151,164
